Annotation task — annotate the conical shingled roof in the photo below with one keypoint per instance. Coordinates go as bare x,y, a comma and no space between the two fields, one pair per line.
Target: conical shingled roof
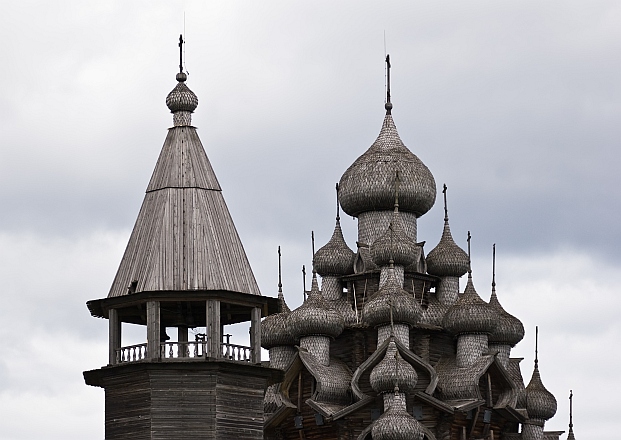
335,258
184,237
540,403
469,314
368,184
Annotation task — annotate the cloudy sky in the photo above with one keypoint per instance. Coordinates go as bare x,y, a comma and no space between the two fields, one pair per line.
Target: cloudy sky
515,105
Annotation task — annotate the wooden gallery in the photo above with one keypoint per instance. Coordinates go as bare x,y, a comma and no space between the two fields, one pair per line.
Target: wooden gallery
386,347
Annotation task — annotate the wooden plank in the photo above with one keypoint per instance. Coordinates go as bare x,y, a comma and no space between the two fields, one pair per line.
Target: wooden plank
114,335
153,330
255,334
213,329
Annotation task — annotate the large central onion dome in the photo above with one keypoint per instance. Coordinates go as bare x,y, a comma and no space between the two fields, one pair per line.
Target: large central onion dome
315,317
368,184
470,314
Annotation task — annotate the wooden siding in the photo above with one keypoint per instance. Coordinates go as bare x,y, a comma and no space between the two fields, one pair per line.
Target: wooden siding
184,237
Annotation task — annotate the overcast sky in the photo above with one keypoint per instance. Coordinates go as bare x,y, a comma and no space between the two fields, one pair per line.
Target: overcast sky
515,105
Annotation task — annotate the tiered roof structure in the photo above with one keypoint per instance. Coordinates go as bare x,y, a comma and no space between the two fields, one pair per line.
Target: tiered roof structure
422,358
387,348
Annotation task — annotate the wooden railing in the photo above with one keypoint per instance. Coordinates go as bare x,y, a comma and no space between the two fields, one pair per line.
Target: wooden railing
236,352
183,350
131,353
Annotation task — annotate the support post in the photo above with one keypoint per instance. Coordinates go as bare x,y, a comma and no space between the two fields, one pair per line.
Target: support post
114,336
213,329
153,330
255,334
182,338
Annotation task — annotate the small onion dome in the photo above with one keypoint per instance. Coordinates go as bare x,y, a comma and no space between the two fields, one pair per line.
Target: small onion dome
368,184
396,424
447,259
394,244
540,403
335,258
315,316
404,308
181,98
469,314
509,330
274,327
393,369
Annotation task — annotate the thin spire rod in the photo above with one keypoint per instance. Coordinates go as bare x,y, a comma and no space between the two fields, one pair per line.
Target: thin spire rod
304,281
469,258
536,346
571,400
313,245
181,53
494,267
388,105
279,273
338,213
445,206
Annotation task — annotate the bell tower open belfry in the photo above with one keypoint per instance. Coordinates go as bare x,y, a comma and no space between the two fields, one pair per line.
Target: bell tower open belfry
185,268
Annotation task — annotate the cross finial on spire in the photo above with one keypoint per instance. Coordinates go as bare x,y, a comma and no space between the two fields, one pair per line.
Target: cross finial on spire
388,105
181,53
279,274
338,214
445,207
536,346
469,257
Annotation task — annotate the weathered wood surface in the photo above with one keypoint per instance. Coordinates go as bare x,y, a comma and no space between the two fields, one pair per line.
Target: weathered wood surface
184,237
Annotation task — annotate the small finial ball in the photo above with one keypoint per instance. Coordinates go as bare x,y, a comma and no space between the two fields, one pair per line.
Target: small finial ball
388,106
181,77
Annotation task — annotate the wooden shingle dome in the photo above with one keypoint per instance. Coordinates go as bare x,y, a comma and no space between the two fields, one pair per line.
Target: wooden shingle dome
470,314
393,369
335,258
540,403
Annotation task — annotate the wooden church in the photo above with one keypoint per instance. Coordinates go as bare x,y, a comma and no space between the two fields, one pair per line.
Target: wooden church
386,346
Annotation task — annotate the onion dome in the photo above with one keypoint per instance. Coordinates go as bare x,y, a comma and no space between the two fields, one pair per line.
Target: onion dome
335,258
391,304
509,330
393,369
394,244
447,259
315,316
396,423
540,403
274,327
368,184
469,314
181,98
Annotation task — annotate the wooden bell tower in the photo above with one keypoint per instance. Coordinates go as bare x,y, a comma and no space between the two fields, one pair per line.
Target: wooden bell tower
184,268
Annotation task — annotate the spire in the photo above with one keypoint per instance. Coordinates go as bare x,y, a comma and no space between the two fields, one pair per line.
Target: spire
469,258
280,295
338,213
304,280
313,247
536,347
445,208
388,105
181,53
571,401
494,270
